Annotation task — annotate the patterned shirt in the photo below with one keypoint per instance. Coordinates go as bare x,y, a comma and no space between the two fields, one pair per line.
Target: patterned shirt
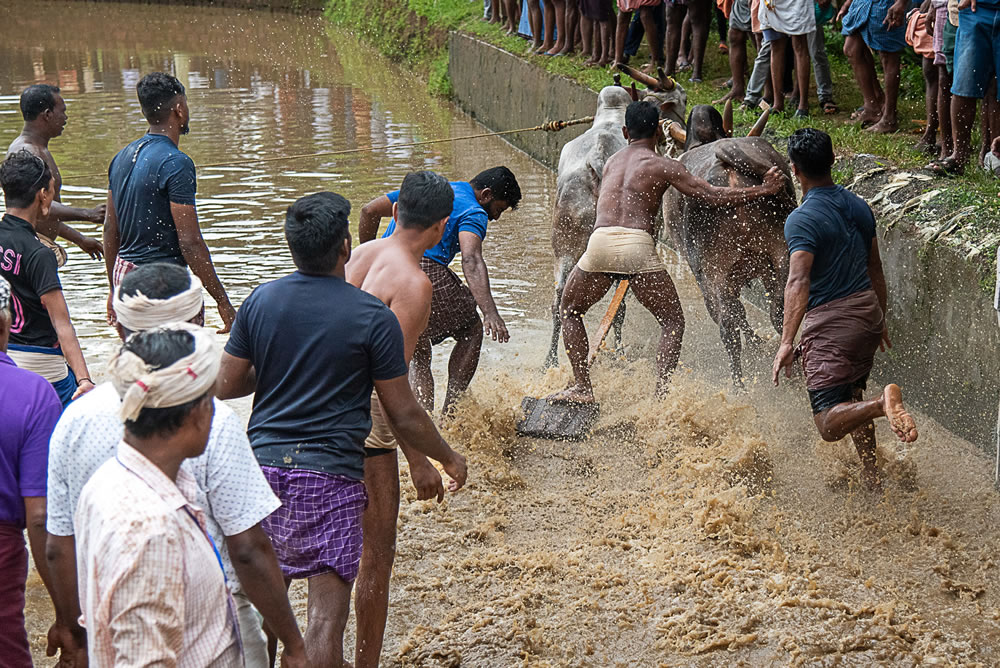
230,485
151,587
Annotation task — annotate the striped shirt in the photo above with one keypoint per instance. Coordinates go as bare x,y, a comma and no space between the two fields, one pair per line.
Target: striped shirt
151,586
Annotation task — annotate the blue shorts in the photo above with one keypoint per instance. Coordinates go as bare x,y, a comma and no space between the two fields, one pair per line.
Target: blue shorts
977,50
66,387
865,17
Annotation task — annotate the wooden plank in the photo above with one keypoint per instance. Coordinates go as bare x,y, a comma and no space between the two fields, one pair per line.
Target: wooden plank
559,420
609,317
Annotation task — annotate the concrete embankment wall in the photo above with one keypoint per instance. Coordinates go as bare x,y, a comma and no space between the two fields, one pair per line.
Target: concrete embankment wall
941,320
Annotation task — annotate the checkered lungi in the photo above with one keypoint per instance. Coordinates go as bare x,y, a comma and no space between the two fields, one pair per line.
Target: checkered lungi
865,18
453,308
122,267
317,529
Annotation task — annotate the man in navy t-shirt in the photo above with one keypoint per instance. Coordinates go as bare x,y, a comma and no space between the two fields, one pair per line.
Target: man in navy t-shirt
312,347
836,290
151,213
453,304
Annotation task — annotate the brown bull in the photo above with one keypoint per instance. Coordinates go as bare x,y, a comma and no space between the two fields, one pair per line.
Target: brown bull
729,247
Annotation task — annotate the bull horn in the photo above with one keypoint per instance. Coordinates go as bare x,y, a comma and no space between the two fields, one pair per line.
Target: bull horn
758,127
727,118
644,79
666,83
677,132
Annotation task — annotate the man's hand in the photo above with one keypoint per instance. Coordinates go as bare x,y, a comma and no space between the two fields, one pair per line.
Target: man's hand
493,326
96,215
967,4
895,16
783,360
228,314
458,470
84,387
843,11
92,247
426,479
294,659
885,343
111,316
996,147
71,645
774,180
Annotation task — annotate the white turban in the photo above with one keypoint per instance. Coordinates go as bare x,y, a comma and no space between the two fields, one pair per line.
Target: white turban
139,313
190,377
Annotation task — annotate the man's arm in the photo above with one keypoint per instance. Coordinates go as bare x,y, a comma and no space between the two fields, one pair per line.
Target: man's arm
198,257
371,216
796,300
412,425
693,186
34,518
474,268
91,247
66,634
237,378
257,569
55,304
112,242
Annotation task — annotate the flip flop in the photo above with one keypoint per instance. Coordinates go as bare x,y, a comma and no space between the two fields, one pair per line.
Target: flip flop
830,107
946,167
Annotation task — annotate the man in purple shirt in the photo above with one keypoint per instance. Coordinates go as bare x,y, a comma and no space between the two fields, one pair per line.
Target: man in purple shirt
29,408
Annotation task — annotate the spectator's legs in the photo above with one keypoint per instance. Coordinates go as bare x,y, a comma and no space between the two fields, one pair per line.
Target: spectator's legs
700,16
720,25
648,17
778,49
488,10
990,126
606,34
944,111
800,46
684,53
621,29
759,77
737,66
329,603
513,9
633,40
863,64
571,17
549,18
928,141
963,115
821,65
588,42
559,7
535,20
675,21
890,67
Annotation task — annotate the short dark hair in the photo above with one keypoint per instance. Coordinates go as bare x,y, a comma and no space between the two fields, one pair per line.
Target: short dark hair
811,150
156,91
36,99
502,182
159,280
641,119
22,175
424,199
160,348
315,228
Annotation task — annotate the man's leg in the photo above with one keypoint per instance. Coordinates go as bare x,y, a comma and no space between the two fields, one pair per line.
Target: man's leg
890,66
421,379
549,19
656,292
559,9
571,21
863,64
700,16
842,419
944,111
329,605
963,115
621,29
759,76
648,17
582,291
779,49
737,65
928,141
675,22
821,65
463,362
800,46
371,599
535,21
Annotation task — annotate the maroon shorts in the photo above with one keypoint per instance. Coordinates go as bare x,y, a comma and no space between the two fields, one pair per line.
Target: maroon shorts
14,649
317,529
453,308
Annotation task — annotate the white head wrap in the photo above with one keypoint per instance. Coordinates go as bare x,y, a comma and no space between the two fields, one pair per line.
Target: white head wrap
139,313
188,378
4,294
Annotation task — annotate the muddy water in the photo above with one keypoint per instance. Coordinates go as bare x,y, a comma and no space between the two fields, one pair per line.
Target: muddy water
704,529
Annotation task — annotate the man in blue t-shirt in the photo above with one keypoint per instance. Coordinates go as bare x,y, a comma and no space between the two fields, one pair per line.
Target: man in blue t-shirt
453,304
151,214
836,290
311,346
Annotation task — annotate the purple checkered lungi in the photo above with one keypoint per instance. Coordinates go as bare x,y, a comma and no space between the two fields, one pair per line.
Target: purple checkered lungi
317,529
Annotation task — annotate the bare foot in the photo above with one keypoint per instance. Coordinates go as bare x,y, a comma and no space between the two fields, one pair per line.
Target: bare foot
574,394
900,421
725,98
590,62
883,127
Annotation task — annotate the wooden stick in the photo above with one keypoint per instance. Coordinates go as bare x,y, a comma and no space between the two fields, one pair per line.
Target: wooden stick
609,317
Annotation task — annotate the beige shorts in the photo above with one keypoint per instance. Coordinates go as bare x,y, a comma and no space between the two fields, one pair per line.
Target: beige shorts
380,440
620,250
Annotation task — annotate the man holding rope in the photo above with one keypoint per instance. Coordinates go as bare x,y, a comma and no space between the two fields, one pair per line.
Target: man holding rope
453,305
151,213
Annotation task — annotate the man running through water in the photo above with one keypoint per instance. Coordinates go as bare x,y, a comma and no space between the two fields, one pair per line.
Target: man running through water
389,269
836,291
44,113
622,244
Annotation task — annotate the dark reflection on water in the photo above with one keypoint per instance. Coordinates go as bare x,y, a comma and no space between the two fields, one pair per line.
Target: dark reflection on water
260,85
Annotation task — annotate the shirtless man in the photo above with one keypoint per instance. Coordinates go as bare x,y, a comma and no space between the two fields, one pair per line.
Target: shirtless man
44,113
389,269
622,244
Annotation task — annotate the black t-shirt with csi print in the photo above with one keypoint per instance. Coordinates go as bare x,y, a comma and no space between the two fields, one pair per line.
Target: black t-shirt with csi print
31,270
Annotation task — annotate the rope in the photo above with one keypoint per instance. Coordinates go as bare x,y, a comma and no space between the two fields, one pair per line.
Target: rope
548,126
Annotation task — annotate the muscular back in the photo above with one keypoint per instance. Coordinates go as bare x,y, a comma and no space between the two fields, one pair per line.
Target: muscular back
632,188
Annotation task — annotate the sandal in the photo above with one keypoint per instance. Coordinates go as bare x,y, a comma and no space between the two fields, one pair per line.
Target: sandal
946,167
830,107
801,113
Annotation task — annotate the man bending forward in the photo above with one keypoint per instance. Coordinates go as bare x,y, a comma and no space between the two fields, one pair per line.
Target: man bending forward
622,244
